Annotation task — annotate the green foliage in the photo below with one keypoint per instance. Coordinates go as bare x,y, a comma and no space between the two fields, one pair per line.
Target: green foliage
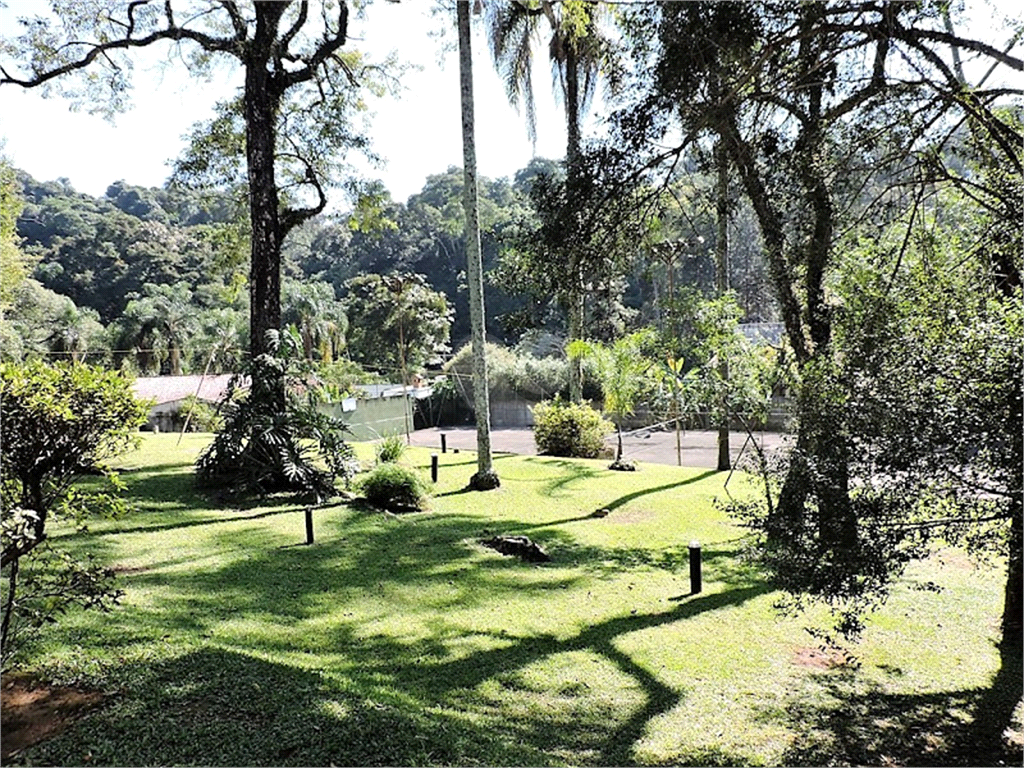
925,389
202,417
569,429
312,308
274,439
590,221
396,322
623,370
58,423
395,488
390,449
13,262
511,372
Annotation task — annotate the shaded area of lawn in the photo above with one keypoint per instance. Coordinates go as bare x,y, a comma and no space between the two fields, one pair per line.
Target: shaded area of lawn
402,641
875,727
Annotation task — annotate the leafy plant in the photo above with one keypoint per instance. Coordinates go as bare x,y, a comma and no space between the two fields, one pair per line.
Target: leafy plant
569,429
394,487
268,445
390,449
622,369
202,417
58,423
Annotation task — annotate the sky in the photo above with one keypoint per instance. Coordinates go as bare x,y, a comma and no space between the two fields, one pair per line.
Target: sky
418,132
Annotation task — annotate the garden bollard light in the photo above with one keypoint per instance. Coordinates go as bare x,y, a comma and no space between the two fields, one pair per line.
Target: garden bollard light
695,575
444,443
309,525
433,467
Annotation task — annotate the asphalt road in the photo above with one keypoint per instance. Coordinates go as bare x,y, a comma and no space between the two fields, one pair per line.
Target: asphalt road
698,448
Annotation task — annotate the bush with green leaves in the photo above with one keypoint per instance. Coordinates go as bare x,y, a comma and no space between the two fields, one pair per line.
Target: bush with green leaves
569,429
275,439
201,416
390,449
396,488
58,424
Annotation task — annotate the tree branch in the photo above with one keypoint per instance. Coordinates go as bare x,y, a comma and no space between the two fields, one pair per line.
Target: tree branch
101,49
292,217
325,51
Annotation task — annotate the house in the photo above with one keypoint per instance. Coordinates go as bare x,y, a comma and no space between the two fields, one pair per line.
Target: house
168,394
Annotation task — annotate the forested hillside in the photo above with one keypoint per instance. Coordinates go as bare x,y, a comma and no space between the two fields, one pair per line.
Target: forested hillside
153,280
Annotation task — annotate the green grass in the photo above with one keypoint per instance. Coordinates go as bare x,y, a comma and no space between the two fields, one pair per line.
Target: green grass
399,640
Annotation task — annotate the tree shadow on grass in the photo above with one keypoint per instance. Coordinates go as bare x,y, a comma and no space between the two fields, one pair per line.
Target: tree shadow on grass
569,472
609,737
219,707
622,500
967,727
422,672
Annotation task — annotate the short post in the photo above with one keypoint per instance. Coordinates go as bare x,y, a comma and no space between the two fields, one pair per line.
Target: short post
433,467
444,443
309,525
695,575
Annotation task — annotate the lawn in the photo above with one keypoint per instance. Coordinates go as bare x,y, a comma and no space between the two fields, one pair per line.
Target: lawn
400,640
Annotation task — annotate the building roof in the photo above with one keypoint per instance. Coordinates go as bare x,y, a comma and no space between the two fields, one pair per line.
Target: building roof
374,391
167,389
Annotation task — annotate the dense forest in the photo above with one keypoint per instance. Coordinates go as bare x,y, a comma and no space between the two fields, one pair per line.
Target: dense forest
152,280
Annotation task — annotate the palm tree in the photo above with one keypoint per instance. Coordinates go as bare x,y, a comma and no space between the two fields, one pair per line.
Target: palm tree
75,330
621,369
485,478
164,315
578,53
318,316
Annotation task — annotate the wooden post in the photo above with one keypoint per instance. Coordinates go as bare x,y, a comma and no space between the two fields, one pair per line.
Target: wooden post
433,467
444,443
309,525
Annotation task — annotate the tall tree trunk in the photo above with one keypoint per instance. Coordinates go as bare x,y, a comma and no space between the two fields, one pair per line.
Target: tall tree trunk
576,309
1013,603
261,103
721,286
485,478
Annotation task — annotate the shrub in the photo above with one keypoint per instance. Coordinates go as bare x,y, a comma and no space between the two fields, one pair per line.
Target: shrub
394,487
201,416
390,449
58,423
569,429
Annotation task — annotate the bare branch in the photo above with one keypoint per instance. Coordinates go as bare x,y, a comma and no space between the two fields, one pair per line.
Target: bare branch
326,50
171,32
288,36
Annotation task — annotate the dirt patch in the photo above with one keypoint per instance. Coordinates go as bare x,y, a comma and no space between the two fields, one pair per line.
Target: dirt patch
632,516
815,658
32,711
130,569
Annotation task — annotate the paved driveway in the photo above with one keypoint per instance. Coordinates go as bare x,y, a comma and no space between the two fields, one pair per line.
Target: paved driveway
699,448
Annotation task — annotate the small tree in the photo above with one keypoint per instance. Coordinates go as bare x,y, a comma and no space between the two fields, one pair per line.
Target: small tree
622,371
58,423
